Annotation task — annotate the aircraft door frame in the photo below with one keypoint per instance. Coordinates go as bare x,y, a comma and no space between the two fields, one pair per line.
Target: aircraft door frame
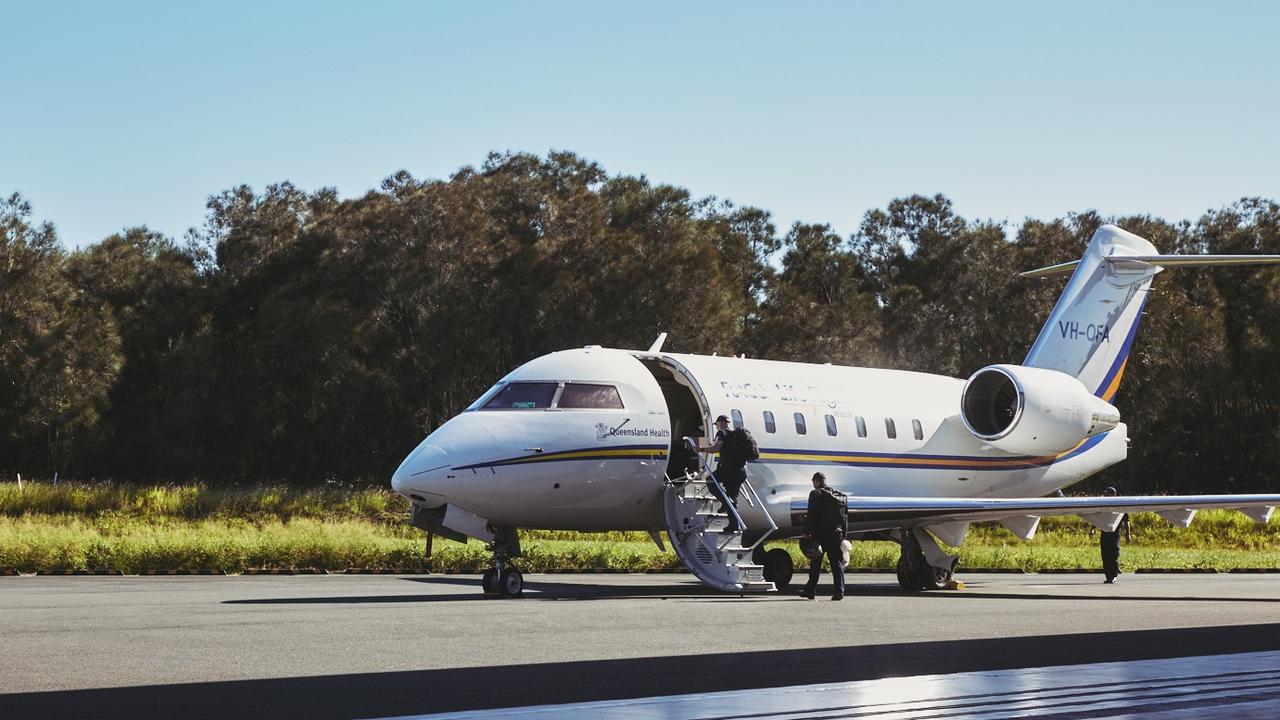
691,382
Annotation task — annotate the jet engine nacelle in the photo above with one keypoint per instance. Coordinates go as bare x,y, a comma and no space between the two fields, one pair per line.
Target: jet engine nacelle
1032,411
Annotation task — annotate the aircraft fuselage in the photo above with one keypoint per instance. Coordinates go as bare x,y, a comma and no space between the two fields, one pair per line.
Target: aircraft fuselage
552,446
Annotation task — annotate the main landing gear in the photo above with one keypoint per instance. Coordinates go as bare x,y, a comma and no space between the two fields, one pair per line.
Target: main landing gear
503,579
778,566
923,565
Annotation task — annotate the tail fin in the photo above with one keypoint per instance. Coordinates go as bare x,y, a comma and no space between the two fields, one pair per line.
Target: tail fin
1091,329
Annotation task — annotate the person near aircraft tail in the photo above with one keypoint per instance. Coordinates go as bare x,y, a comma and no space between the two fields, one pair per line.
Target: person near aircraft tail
827,522
731,468
1109,544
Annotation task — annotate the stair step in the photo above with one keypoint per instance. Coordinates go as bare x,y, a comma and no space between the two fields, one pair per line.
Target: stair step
699,529
719,525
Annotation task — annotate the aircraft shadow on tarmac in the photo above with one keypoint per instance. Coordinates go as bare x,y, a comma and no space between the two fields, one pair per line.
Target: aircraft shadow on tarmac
428,691
536,590
563,591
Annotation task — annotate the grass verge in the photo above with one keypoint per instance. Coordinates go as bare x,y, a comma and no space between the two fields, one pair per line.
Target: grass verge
133,529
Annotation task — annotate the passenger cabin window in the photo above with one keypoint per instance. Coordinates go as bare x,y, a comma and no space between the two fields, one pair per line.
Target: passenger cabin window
917,429
890,429
862,426
583,396
800,428
831,425
737,419
523,396
769,425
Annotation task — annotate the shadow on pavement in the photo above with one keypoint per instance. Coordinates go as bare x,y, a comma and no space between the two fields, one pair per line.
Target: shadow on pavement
538,589
534,589
428,691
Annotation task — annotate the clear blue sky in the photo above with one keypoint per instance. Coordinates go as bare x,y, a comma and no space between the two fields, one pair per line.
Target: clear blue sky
120,114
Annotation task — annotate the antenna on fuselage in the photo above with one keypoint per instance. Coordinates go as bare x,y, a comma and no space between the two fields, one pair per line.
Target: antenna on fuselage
657,344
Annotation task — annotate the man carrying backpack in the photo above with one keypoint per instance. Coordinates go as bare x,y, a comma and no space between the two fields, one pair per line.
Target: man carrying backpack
736,447
827,522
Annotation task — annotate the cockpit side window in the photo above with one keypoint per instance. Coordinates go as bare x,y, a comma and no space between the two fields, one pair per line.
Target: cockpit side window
581,395
523,396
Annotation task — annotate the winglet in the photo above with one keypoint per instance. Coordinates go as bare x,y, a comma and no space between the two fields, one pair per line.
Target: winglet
657,344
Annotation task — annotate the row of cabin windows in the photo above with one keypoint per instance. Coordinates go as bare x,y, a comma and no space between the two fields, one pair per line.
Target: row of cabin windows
860,424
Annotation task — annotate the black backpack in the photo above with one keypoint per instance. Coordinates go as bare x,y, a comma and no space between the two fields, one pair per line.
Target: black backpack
740,447
838,507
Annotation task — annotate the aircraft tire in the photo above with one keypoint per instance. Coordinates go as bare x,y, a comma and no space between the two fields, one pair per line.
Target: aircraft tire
779,568
511,583
489,582
932,578
906,578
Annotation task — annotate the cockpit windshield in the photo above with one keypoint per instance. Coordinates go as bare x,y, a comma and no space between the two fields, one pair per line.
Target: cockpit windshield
488,395
522,396
581,395
545,395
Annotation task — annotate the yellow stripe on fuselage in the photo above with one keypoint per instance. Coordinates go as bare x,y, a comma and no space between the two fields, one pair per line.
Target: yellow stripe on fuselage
588,455
908,461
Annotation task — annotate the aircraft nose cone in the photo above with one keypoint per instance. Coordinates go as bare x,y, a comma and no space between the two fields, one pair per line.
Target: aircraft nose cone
422,472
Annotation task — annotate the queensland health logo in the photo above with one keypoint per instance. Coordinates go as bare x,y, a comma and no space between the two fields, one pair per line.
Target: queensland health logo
604,431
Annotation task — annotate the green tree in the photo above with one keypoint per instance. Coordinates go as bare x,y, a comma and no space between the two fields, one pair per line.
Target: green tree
59,351
817,309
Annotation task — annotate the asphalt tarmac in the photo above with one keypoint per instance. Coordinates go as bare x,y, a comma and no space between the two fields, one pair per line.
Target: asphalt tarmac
365,646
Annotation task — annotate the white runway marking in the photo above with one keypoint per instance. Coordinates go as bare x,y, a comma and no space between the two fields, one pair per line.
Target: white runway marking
1245,685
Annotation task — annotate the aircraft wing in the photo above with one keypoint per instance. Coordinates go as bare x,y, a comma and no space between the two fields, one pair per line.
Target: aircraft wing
948,518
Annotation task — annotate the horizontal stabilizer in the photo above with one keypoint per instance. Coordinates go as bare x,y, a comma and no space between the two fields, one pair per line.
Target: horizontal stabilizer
1164,261
1059,269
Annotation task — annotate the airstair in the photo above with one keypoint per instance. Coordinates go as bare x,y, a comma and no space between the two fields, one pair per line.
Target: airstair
699,532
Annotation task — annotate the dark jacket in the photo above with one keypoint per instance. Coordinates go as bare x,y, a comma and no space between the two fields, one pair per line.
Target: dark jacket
828,513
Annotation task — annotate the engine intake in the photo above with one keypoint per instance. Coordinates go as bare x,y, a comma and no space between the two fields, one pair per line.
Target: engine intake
1032,411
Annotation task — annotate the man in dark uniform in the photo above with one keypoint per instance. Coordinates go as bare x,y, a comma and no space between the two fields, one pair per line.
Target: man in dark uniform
730,472
827,522
1109,544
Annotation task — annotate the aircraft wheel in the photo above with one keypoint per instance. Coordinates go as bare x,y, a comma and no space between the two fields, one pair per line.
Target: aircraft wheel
511,583
932,578
489,581
779,568
907,578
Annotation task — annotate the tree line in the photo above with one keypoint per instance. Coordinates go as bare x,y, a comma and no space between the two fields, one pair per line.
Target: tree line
299,337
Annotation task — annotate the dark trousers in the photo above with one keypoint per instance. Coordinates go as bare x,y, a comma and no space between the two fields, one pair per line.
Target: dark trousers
831,547
1109,544
725,486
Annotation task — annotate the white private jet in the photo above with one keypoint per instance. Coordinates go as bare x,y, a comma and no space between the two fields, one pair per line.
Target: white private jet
592,439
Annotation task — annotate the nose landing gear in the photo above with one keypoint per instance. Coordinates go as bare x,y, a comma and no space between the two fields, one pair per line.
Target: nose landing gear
503,579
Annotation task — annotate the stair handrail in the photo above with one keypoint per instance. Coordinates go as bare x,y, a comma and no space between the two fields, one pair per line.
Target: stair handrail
773,526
